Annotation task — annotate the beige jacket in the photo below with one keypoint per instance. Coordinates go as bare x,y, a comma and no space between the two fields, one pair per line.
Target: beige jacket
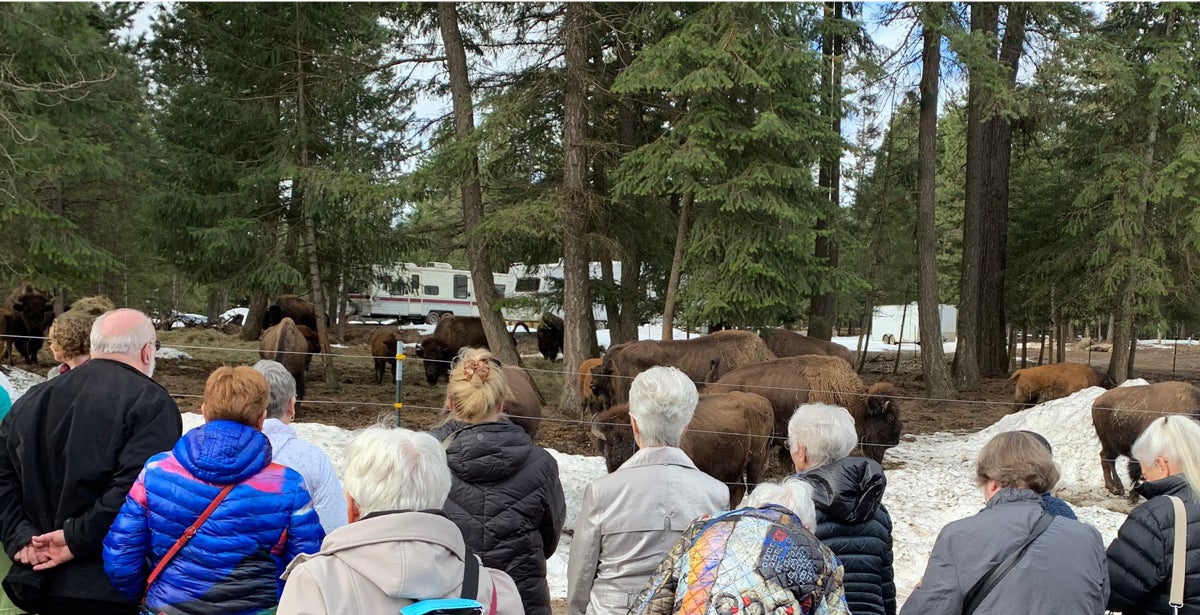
382,563
628,521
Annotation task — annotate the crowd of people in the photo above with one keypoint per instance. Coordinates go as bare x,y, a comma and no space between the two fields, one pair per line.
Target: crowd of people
107,507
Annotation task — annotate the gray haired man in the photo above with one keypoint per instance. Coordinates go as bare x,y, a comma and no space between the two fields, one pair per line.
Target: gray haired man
290,450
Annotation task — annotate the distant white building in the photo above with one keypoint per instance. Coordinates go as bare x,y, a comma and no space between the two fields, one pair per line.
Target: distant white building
886,323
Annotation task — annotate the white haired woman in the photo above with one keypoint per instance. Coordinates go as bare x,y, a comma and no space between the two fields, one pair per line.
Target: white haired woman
1140,560
848,496
630,518
505,495
398,547
759,559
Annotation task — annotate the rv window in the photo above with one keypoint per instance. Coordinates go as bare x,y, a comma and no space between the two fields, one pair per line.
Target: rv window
432,290
500,290
527,285
396,287
460,287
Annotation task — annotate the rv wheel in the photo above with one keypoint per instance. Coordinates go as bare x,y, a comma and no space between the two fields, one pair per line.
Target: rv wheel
433,318
601,324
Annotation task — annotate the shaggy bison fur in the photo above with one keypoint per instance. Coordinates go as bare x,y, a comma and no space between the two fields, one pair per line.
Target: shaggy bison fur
383,349
453,333
286,344
30,312
588,399
784,343
1046,382
727,439
1121,415
524,404
300,310
550,336
789,382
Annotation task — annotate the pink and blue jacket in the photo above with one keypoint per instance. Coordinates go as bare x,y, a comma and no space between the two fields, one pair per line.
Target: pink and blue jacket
232,565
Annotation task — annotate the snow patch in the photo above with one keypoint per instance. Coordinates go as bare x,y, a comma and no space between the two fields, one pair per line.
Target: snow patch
167,353
22,380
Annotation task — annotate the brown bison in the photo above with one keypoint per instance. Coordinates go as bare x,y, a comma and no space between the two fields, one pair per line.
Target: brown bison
589,401
300,310
703,359
1047,382
453,333
1121,414
30,313
784,343
550,336
383,349
792,381
524,404
286,344
727,439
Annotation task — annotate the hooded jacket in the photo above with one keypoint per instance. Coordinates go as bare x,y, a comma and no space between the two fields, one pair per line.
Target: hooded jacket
506,498
853,523
233,562
387,561
1140,559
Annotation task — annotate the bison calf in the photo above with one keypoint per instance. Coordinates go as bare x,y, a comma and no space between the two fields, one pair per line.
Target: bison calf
1046,382
590,399
727,439
1121,415
383,349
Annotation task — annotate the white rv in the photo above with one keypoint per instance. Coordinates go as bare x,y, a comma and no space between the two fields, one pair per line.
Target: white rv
424,294
538,282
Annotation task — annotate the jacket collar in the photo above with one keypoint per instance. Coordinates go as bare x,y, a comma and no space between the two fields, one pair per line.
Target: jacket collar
223,452
1170,485
1010,495
276,427
659,456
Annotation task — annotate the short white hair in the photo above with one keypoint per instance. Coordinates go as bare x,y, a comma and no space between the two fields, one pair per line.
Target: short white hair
395,469
825,431
793,494
281,383
663,401
126,338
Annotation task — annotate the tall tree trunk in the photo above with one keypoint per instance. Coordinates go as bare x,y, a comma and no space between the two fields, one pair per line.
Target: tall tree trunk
628,119
478,260
577,304
823,308
631,282
984,21
933,364
685,212
252,325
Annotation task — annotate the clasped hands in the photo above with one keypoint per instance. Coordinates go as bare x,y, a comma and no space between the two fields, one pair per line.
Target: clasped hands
46,551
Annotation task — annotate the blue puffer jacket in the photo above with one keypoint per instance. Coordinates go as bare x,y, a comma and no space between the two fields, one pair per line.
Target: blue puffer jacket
232,565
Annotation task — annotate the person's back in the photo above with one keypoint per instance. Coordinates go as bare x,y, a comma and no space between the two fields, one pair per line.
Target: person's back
233,562
72,448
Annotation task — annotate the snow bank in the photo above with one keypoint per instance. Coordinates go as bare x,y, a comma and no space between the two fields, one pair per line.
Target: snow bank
167,353
851,342
22,380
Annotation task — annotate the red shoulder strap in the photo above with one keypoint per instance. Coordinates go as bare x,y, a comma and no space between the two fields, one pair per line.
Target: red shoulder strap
187,535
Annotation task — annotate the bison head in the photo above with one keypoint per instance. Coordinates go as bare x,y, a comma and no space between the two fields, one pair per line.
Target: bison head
880,429
35,307
613,437
881,399
437,357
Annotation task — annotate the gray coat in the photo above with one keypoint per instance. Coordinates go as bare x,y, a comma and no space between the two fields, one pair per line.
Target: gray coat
1062,573
627,523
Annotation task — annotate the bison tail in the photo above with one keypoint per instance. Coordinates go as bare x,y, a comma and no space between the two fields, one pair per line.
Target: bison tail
1015,375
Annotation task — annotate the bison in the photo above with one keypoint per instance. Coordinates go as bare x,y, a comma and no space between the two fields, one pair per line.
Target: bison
727,439
589,401
1046,382
792,381
383,349
30,313
300,310
703,359
286,344
453,333
524,404
550,336
1121,415
784,343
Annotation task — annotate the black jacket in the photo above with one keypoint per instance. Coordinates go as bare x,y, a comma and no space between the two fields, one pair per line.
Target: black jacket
853,523
1139,560
507,500
69,452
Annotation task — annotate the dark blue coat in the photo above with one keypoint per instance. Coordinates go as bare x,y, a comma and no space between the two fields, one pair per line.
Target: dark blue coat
853,523
232,564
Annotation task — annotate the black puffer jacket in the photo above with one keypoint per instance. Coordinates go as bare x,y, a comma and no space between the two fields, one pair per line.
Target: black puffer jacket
853,523
507,500
1139,560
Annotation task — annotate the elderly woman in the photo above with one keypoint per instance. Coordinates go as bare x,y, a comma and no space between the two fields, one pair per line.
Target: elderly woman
1140,560
397,547
505,495
70,341
761,559
1059,563
252,516
630,518
848,496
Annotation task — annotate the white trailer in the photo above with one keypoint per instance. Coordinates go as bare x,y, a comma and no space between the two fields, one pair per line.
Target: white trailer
886,323
424,294
539,282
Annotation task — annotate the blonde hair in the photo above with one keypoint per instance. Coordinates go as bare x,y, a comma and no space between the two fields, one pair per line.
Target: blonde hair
72,332
1177,440
477,388
1017,459
236,394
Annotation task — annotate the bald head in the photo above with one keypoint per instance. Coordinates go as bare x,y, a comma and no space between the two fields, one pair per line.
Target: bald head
127,336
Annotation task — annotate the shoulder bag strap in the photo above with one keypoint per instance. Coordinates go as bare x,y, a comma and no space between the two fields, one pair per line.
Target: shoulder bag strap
471,579
187,535
1178,563
984,586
